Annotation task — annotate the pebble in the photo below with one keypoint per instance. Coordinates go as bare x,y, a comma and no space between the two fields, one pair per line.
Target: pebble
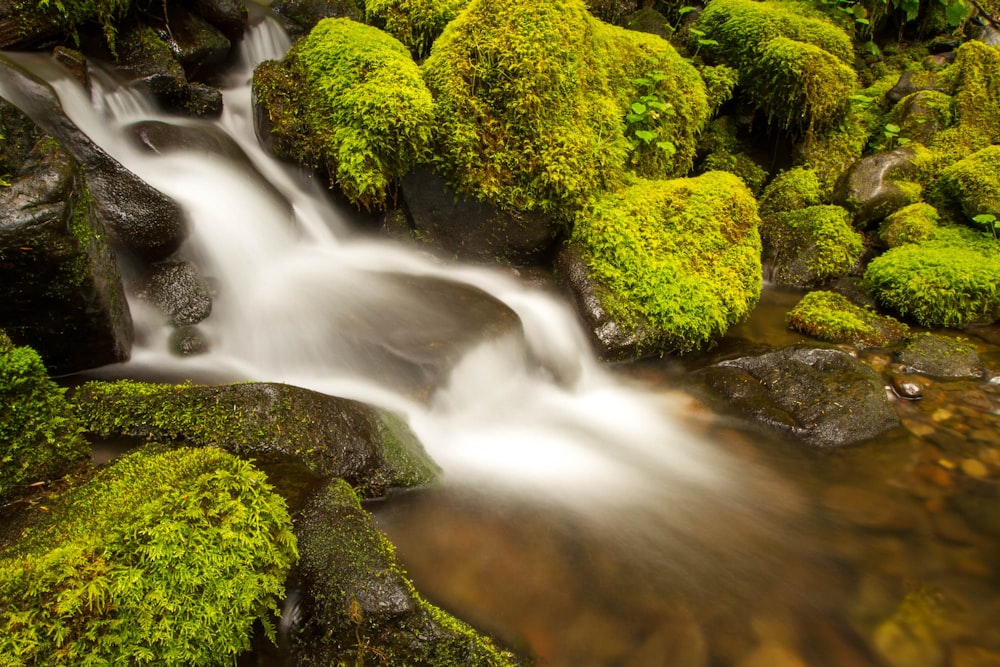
990,456
974,468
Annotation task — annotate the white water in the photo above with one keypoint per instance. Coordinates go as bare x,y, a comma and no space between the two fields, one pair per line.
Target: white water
293,280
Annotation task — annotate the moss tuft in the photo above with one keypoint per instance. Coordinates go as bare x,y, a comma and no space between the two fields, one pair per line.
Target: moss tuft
833,317
169,557
973,183
415,23
813,244
679,256
910,224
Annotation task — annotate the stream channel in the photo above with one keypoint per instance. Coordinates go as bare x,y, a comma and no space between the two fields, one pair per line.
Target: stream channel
587,515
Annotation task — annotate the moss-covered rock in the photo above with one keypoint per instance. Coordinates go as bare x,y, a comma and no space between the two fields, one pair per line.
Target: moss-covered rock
973,183
723,152
26,22
910,224
415,23
539,105
950,281
678,259
348,100
791,190
358,607
40,436
834,318
812,245
168,558
273,422
941,356
794,62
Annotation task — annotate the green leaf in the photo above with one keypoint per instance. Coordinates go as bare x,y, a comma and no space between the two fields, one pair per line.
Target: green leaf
639,108
956,12
645,135
892,128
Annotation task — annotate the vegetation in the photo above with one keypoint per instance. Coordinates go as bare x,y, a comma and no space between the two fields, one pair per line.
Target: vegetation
163,557
415,23
679,256
69,15
833,317
910,224
949,281
973,183
349,100
813,244
40,437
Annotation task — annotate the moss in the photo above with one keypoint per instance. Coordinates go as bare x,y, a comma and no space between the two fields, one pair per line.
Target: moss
910,224
680,256
974,78
949,281
720,82
415,23
973,183
832,317
921,115
813,244
791,190
940,355
723,152
532,100
69,15
348,99
40,436
169,557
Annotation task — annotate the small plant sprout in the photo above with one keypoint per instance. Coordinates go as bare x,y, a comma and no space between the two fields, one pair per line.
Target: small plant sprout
989,223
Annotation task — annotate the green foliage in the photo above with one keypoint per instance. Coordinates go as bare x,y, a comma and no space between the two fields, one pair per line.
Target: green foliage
532,100
790,190
949,281
680,256
69,15
39,434
166,558
910,224
833,317
973,183
722,152
813,244
415,23
720,82
349,99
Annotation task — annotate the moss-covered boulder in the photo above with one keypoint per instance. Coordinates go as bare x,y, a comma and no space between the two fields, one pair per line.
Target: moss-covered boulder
810,246
973,183
875,186
298,17
540,105
331,437
910,224
940,356
674,263
794,62
415,23
347,100
834,318
952,280
357,605
169,558
40,436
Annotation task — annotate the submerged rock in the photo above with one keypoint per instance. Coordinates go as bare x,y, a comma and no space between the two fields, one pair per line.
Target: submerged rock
822,396
177,290
941,356
333,437
356,603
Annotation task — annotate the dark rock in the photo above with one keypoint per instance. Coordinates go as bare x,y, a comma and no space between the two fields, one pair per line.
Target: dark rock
195,44
74,62
177,290
907,386
983,32
941,356
203,101
923,114
230,17
188,340
474,230
355,601
62,289
300,16
147,58
912,81
649,20
868,188
19,31
333,437
823,396
139,218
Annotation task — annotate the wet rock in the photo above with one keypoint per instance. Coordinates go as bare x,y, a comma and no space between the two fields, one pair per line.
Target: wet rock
356,603
471,229
941,356
202,101
230,17
909,638
923,114
333,437
177,290
187,341
138,218
823,396
912,81
299,16
63,294
907,386
868,188
148,59
195,44
74,62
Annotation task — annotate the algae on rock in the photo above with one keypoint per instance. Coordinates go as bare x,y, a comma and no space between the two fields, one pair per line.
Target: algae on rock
834,318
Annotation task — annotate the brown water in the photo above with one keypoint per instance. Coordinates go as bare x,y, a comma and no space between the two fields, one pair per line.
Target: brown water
879,554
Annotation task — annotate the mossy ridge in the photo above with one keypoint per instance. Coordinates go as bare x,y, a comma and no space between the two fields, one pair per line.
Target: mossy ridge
680,256
170,556
415,23
349,99
532,99
952,280
833,317
40,436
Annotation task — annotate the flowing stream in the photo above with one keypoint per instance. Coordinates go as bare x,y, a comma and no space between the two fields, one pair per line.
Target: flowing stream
586,516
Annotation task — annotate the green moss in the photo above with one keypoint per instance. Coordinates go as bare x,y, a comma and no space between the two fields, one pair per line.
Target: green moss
791,190
349,99
973,183
833,317
720,82
910,224
40,437
169,557
974,78
532,100
680,256
415,23
69,15
813,244
949,281
723,152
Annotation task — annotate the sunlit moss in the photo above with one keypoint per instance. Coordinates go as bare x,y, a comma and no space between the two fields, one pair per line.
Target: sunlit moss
415,23
833,317
910,224
813,244
973,183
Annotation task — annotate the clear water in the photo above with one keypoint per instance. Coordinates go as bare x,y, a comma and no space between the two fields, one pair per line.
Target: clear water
587,515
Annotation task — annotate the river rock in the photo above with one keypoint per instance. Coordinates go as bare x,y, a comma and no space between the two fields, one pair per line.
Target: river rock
230,17
139,219
868,188
196,44
474,230
941,356
299,16
822,396
63,293
177,290
923,114
912,81
332,437
356,603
